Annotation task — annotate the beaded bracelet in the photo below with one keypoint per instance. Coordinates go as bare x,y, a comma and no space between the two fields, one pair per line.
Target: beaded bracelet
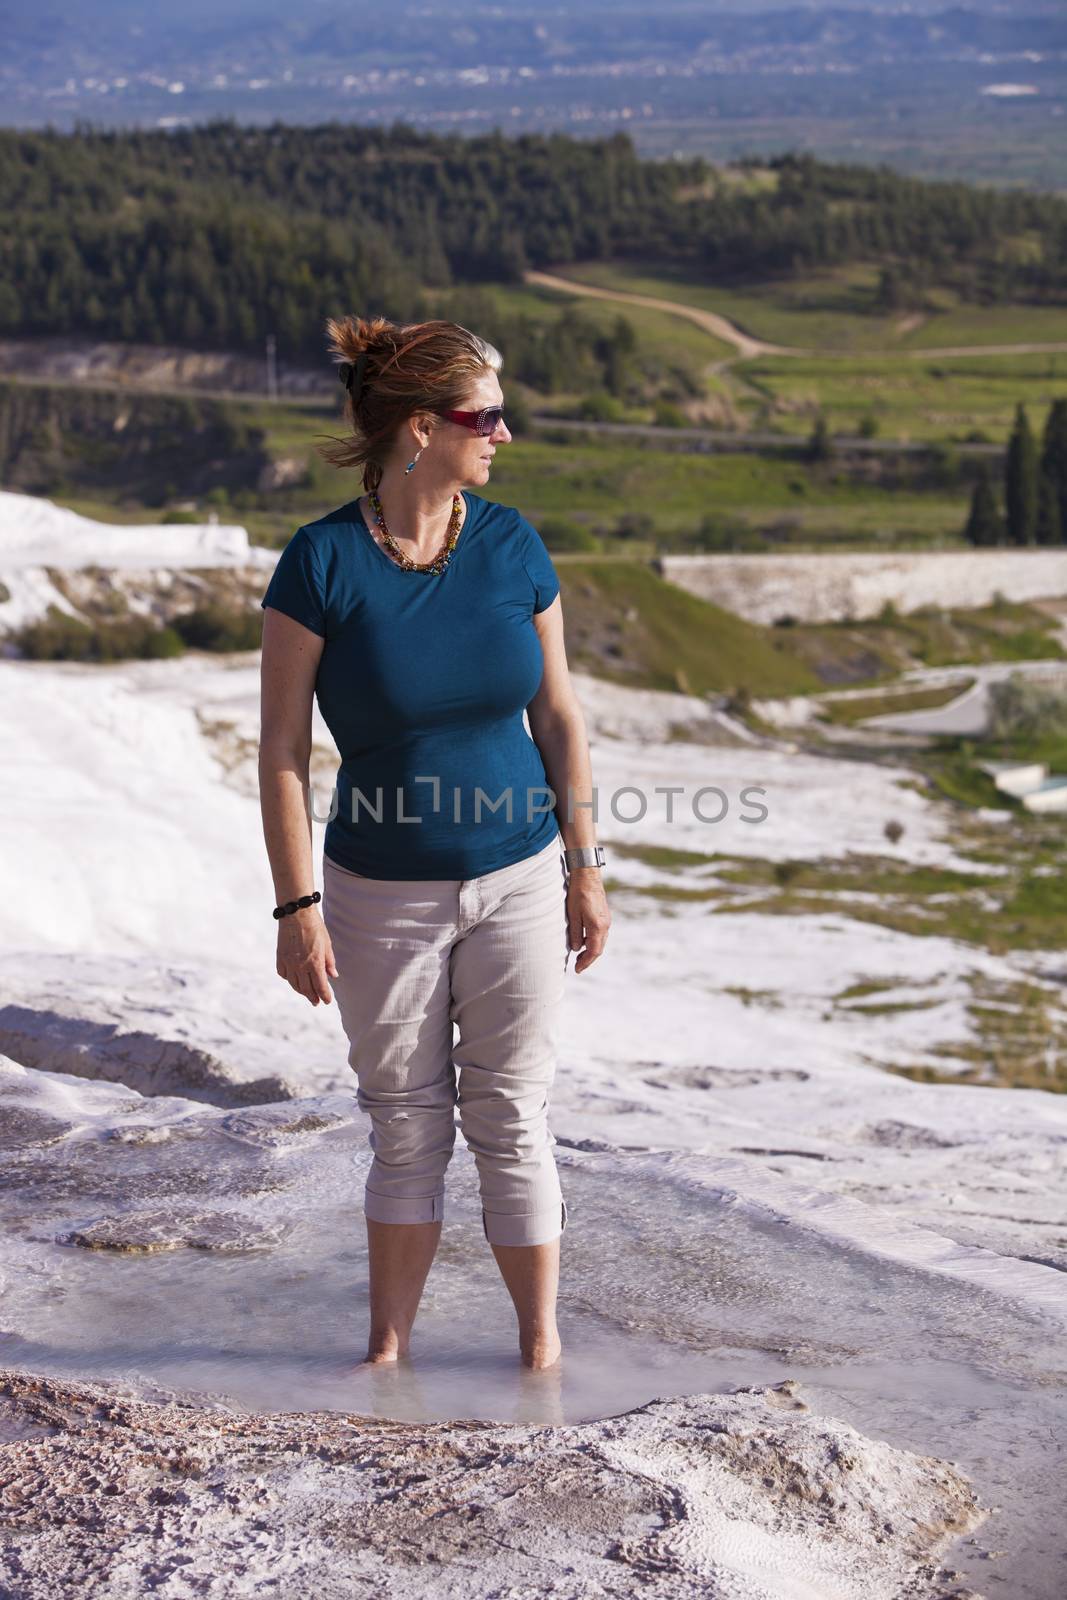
297,905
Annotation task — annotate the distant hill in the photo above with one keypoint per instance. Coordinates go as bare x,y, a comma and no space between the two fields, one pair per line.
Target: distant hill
210,237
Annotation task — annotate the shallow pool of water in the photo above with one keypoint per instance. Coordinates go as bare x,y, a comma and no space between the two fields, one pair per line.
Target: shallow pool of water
664,1291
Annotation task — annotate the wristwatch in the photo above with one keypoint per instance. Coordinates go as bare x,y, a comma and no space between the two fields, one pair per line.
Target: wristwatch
588,855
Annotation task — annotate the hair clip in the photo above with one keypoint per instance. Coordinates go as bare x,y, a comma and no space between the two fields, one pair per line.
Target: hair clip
351,375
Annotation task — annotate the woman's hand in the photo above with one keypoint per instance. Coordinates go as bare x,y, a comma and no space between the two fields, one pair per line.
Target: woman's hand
588,915
305,954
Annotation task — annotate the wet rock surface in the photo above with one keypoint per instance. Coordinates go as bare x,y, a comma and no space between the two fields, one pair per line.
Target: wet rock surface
707,1495
175,1276
169,1230
763,1211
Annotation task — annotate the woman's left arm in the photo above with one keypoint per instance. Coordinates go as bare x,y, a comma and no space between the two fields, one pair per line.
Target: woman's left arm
557,727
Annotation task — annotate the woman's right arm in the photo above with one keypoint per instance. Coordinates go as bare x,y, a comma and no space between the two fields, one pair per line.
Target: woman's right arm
288,668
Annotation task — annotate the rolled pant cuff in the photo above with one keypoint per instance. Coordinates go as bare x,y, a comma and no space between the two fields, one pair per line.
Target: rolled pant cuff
403,1208
525,1227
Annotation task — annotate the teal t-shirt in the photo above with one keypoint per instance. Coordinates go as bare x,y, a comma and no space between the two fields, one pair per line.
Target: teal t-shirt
422,682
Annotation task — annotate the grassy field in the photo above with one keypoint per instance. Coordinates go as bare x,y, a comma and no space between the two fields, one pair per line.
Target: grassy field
834,310
943,398
669,336
626,624
862,364
597,481
829,312
606,478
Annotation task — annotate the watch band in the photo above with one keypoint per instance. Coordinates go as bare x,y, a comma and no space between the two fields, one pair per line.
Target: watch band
586,855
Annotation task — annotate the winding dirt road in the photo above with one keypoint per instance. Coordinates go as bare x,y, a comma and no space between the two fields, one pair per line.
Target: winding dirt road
747,346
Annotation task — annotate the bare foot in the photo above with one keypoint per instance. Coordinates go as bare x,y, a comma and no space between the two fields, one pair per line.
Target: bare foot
383,1358
542,1352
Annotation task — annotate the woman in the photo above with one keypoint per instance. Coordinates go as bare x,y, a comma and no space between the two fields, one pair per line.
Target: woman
425,618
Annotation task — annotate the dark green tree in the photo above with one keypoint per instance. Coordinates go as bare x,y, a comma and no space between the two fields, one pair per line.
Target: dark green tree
1054,455
1020,481
890,295
616,352
984,526
820,444
1048,527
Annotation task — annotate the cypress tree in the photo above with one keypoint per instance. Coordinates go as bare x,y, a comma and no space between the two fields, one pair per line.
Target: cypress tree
1054,455
984,526
1049,528
890,294
820,443
1020,481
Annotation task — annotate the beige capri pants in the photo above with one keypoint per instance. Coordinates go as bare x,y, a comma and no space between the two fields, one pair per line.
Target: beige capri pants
489,954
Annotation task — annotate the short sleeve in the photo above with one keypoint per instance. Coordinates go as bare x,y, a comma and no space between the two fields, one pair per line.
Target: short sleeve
296,586
539,568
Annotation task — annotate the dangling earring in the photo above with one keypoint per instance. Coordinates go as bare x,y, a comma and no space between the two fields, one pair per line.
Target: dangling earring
411,464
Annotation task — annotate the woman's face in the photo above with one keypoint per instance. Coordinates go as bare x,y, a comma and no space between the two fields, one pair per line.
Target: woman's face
473,452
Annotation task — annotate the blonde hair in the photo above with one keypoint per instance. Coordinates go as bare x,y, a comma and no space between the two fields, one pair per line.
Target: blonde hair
409,367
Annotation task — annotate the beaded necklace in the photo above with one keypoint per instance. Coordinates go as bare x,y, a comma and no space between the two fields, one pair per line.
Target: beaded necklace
441,559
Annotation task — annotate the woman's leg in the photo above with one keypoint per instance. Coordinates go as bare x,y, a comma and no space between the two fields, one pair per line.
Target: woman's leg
391,942
401,1255
531,1275
507,976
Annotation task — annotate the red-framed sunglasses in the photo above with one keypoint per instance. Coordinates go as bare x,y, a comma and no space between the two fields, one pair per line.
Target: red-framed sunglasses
484,422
